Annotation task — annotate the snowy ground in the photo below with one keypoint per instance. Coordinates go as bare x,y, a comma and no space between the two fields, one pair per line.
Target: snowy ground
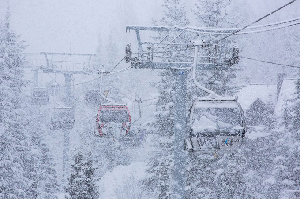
123,181
255,132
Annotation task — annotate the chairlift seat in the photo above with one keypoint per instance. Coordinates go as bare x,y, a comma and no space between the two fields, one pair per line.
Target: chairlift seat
94,97
116,114
63,118
40,96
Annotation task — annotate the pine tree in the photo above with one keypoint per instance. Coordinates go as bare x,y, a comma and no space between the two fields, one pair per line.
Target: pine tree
287,161
222,56
175,13
99,61
260,113
47,184
296,121
91,188
14,148
209,176
81,182
25,164
162,161
211,13
292,111
40,171
111,52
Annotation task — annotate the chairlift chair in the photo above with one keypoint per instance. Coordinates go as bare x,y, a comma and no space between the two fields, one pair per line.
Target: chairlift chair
134,137
215,124
109,115
54,88
40,96
94,97
62,118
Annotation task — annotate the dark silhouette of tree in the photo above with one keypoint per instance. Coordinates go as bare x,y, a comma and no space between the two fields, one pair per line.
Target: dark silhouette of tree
260,113
81,182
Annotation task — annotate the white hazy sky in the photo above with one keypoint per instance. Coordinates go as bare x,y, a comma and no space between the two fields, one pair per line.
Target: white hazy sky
55,25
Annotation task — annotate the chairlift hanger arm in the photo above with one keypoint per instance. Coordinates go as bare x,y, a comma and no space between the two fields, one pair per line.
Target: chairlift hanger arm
47,60
138,37
194,65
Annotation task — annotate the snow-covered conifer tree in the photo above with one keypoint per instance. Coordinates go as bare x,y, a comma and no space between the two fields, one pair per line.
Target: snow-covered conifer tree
111,52
82,182
14,148
219,78
260,113
162,162
286,164
207,175
175,13
100,61
26,168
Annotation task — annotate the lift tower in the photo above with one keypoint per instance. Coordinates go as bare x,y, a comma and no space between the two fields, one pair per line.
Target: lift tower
167,51
68,64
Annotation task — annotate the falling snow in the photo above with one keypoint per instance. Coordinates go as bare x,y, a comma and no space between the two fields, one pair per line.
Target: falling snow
203,103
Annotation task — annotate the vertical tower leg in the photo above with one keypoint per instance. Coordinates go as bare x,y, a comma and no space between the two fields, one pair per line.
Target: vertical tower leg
36,77
179,132
66,158
68,78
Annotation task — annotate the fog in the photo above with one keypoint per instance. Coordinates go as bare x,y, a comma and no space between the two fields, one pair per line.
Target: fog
64,26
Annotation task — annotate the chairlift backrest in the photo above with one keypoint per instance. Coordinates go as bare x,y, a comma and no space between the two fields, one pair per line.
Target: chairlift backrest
62,118
94,97
114,113
40,89
40,96
63,113
215,123
230,107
